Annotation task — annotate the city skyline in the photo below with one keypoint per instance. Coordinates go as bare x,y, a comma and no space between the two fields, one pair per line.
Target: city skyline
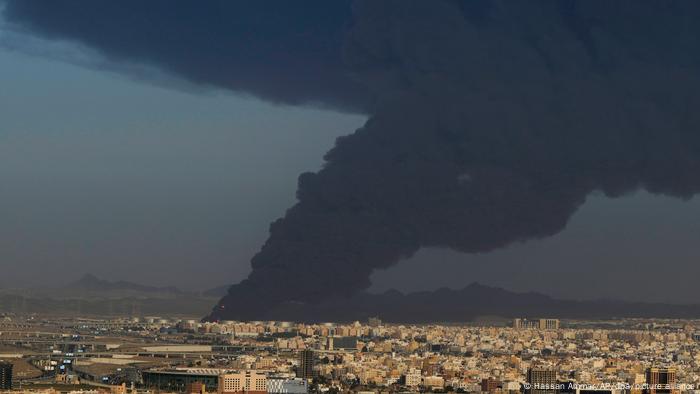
134,354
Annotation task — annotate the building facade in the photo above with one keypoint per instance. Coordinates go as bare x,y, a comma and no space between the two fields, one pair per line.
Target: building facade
287,386
490,385
243,382
5,376
541,324
661,381
179,380
305,370
541,381
549,324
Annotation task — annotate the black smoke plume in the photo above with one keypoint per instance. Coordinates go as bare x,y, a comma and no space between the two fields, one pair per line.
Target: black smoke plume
276,50
490,121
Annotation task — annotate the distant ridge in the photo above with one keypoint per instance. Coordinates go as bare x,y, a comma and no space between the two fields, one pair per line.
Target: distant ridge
219,291
93,296
91,282
462,305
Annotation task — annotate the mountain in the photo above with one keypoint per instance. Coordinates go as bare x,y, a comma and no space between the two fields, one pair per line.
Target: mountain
219,291
190,307
92,296
463,305
92,283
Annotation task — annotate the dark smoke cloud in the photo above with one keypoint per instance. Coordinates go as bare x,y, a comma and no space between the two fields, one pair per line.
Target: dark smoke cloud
281,51
491,122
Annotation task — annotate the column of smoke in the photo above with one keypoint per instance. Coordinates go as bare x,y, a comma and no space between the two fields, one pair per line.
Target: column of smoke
490,122
491,128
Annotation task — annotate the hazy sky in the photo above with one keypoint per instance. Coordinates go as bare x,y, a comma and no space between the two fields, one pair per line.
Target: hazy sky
128,180
102,174
640,247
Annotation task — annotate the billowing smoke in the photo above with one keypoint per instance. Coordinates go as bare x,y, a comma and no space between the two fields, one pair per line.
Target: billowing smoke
276,50
491,122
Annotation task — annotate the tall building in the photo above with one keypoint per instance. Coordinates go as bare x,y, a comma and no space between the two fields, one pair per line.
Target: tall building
5,376
661,381
251,382
305,370
524,324
541,381
549,324
542,324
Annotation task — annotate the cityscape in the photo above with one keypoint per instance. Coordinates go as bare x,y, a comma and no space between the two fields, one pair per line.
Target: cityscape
158,354
349,196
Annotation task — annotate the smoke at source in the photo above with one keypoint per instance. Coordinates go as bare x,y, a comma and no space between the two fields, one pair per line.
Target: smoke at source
490,121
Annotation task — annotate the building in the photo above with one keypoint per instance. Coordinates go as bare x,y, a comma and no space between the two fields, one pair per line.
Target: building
549,324
541,381
490,385
413,378
541,324
305,370
243,382
524,324
195,388
598,391
287,386
180,380
374,322
661,381
5,376
342,343
433,382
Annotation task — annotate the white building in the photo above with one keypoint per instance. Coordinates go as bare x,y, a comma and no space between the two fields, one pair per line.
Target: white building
287,386
413,378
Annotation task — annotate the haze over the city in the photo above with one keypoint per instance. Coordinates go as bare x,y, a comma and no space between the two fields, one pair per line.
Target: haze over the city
131,167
